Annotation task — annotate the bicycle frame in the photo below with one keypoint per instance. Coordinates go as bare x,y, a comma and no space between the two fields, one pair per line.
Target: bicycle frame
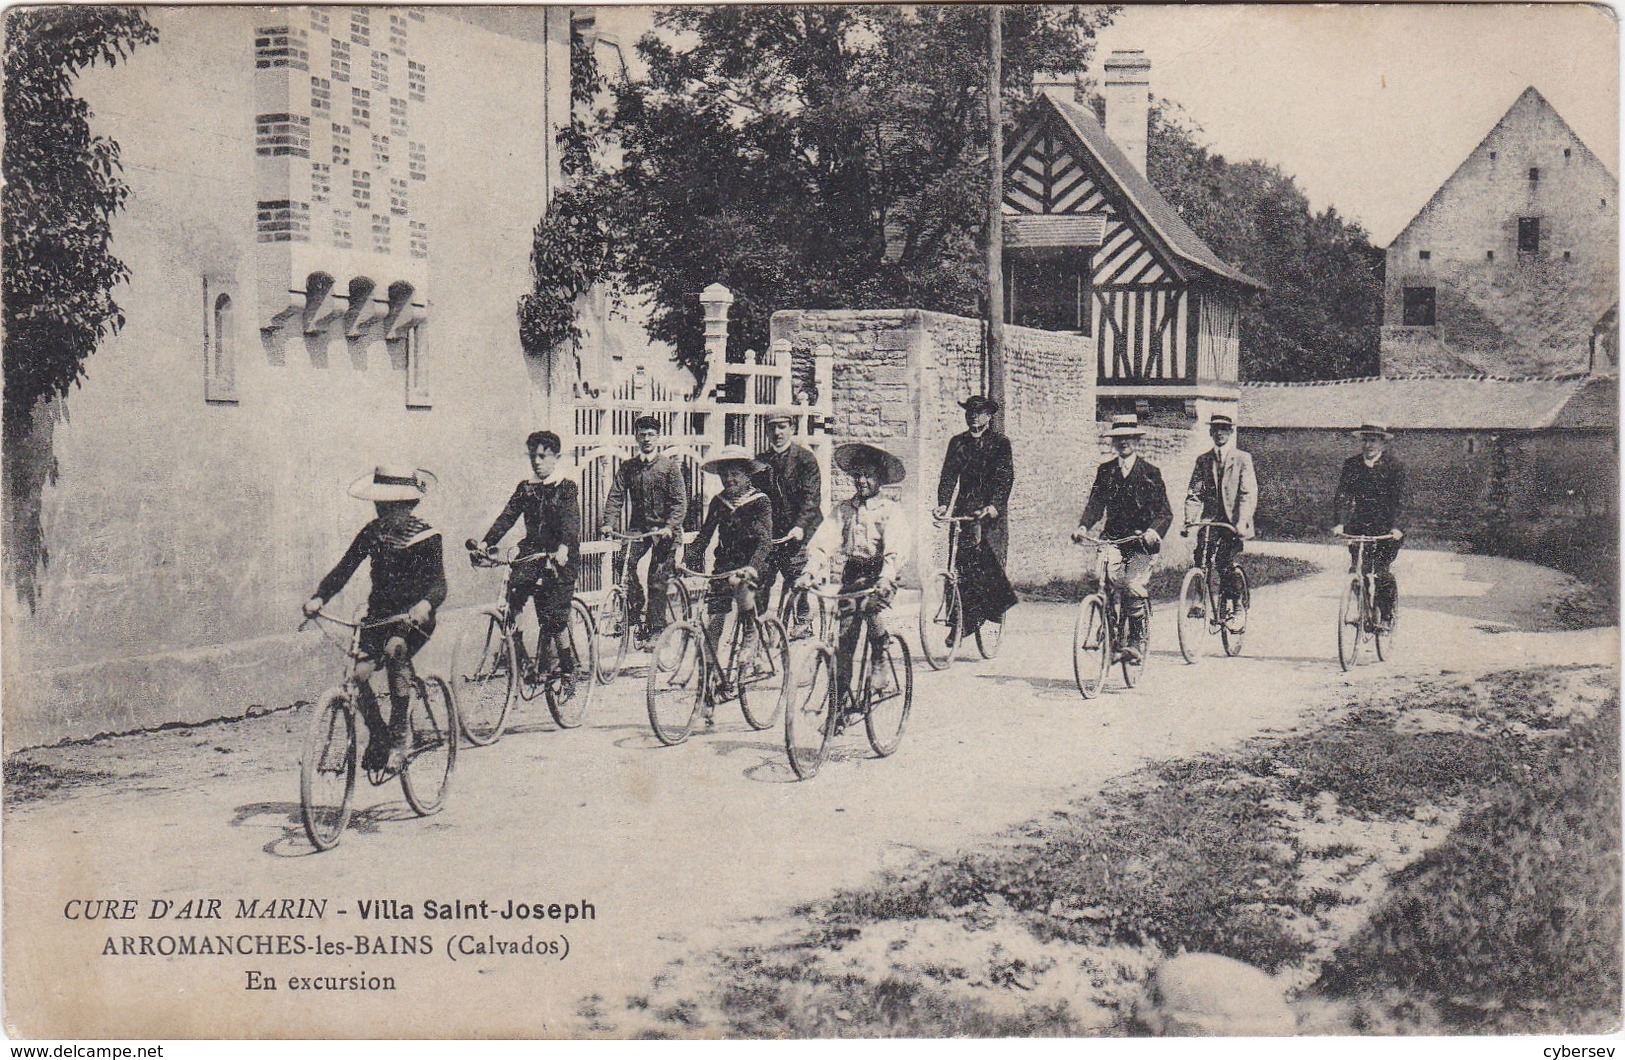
1362,582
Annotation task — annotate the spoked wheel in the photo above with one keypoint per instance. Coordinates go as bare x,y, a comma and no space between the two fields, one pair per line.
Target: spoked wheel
761,680
889,704
1132,671
1194,615
612,632
327,770
808,718
1385,637
989,635
1350,625
426,774
483,680
570,693
676,683
678,602
1234,628
1091,646
940,622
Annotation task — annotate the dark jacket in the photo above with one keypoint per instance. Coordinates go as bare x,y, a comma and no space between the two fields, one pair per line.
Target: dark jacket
744,532
552,514
407,566
982,468
658,494
1130,504
794,488
1369,499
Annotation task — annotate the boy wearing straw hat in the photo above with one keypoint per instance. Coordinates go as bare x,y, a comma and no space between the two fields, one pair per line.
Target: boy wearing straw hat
871,536
1128,493
1370,494
550,504
741,519
408,576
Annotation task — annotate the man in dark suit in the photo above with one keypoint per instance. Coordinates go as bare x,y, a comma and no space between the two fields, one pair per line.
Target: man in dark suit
977,476
1128,492
790,479
649,486
1370,494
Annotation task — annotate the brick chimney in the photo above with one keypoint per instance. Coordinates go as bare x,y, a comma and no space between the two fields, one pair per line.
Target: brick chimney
1128,103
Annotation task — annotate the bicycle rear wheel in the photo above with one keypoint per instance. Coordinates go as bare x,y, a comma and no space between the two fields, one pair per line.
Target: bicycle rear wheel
679,601
761,692
1350,625
1132,671
808,717
570,693
426,774
887,712
940,623
327,770
1091,646
612,631
989,635
1234,628
675,688
1191,621
483,680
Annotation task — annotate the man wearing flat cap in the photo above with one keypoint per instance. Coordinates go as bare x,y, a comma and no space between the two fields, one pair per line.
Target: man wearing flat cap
650,484
1128,493
789,476
1223,489
977,476
1370,494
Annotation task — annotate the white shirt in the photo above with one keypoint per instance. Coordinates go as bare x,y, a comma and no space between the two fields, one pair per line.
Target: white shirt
1126,464
863,530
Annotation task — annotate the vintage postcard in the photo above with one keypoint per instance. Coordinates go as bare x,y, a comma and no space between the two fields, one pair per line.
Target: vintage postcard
811,521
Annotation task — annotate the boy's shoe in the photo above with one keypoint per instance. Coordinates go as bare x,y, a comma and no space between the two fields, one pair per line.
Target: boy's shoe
800,629
567,687
880,681
377,755
1131,654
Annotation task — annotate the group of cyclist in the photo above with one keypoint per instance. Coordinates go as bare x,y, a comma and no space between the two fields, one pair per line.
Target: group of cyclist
769,527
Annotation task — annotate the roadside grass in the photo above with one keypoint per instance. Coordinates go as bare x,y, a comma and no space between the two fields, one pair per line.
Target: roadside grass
1261,570
32,781
1274,854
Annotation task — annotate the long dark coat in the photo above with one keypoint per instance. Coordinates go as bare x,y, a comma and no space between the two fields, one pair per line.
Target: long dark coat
978,472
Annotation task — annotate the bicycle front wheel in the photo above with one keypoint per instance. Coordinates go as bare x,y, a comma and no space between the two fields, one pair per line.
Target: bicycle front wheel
612,631
808,714
569,692
1234,627
1192,619
483,680
1091,646
1350,625
762,678
426,774
675,687
679,601
1385,637
327,770
940,626
888,705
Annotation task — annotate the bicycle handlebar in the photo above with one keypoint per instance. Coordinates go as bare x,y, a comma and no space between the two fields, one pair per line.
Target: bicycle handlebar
481,558
719,576
824,593
347,624
1391,535
1212,522
1112,540
644,536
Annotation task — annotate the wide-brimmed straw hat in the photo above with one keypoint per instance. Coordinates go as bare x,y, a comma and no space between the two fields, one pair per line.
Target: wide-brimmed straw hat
732,454
1373,429
1126,427
859,454
393,482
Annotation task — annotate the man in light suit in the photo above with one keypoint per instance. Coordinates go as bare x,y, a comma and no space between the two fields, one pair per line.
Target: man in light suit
1224,489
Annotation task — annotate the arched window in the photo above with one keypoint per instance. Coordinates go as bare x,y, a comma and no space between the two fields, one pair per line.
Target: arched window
220,353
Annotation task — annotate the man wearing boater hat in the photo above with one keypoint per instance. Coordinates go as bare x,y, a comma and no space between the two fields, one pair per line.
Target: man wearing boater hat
1370,494
977,476
408,577
1224,489
1128,492
790,479
650,484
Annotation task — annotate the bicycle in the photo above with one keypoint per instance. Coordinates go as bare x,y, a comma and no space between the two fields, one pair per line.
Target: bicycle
1101,625
795,626
613,618
942,607
686,680
486,672
1357,619
1199,615
818,710
327,766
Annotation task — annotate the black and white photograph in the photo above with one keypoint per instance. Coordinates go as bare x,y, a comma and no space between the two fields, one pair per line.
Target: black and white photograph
783,522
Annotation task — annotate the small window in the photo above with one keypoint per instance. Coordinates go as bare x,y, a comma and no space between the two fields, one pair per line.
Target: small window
219,346
1566,256
1492,156
1489,255
1425,255
1568,152
1529,236
1534,174
1419,307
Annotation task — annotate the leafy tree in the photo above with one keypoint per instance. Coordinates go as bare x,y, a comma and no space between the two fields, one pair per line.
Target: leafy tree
806,157
1322,315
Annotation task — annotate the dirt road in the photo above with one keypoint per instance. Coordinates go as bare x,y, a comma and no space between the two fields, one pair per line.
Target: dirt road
673,847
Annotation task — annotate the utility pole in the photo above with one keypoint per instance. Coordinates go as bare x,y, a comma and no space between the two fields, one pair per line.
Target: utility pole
995,210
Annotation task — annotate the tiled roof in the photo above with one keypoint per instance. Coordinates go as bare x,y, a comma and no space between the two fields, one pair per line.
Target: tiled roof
1433,403
1157,212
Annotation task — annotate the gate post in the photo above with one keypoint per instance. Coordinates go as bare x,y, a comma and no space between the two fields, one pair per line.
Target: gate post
715,300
